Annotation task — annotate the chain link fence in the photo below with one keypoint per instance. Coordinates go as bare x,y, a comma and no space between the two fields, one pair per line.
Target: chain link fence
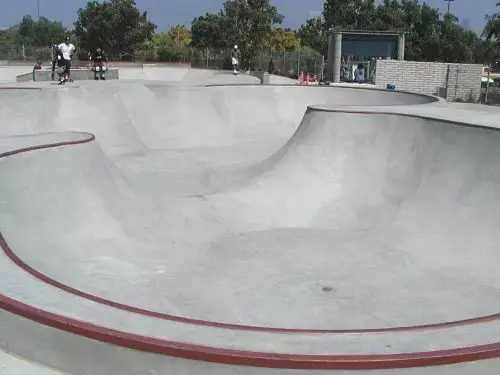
23,53
288,64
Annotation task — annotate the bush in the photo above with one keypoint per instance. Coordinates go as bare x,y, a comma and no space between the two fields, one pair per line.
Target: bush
171,52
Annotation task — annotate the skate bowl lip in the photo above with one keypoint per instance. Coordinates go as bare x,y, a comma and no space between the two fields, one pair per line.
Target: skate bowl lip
430,98
235,356
20,88
434,113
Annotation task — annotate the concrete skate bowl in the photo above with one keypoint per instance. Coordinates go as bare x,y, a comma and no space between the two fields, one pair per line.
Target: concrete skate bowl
364,241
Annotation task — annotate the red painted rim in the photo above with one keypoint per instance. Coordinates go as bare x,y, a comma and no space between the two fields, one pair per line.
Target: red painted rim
231,356
249,358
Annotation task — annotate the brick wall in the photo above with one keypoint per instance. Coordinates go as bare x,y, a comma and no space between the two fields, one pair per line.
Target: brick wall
461,80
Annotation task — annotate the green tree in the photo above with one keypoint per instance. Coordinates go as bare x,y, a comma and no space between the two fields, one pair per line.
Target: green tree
282,40
491,30
314,34
490,46
180,35
348,14
39,33
117,26
456,44
161,47
248,23
8,35
207,32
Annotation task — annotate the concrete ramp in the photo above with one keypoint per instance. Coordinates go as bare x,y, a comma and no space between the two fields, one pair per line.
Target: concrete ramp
8,74
154,72
199,77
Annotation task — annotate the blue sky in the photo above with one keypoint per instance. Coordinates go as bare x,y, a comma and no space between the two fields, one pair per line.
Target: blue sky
169,12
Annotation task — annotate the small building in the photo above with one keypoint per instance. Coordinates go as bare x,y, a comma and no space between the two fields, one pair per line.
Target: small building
362,46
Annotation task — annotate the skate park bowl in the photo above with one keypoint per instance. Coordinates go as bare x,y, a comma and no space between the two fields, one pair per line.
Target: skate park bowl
149,228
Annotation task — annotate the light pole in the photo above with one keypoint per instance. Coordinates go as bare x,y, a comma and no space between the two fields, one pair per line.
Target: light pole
448,1
237,21
38,10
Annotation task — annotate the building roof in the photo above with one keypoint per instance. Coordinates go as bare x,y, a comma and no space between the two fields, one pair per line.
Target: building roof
369,32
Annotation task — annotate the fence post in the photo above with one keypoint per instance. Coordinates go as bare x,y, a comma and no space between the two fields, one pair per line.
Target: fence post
487,86
298,62
322,66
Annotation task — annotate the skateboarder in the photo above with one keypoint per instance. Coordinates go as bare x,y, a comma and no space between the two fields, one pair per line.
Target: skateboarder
66,50
99,60
235,59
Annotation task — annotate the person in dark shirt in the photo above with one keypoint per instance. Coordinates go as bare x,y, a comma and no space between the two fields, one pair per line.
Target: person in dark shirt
59,64
235,59
99,60
55,53
62,66
38,65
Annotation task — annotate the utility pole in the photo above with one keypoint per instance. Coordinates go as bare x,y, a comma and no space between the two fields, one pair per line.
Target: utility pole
448,1
237,15
238,2
38,10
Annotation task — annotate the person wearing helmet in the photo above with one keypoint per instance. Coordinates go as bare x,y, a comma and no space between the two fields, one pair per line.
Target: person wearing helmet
235,58
66,50
99,61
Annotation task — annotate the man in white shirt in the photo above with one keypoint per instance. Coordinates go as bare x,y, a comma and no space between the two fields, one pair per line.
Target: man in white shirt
66,50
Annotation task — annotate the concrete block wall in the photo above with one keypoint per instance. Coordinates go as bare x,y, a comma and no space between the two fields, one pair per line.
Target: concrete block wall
459,80
464,80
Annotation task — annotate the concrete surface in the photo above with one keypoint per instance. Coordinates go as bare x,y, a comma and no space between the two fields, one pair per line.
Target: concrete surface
228,224
13,365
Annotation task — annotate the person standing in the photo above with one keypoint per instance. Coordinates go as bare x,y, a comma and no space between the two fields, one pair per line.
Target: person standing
359,74
66,49
235,58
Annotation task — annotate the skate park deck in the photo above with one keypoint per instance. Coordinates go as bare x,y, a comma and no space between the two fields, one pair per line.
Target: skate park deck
159,72
196,228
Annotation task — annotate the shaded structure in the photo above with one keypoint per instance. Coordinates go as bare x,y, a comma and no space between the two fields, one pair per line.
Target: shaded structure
363,45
